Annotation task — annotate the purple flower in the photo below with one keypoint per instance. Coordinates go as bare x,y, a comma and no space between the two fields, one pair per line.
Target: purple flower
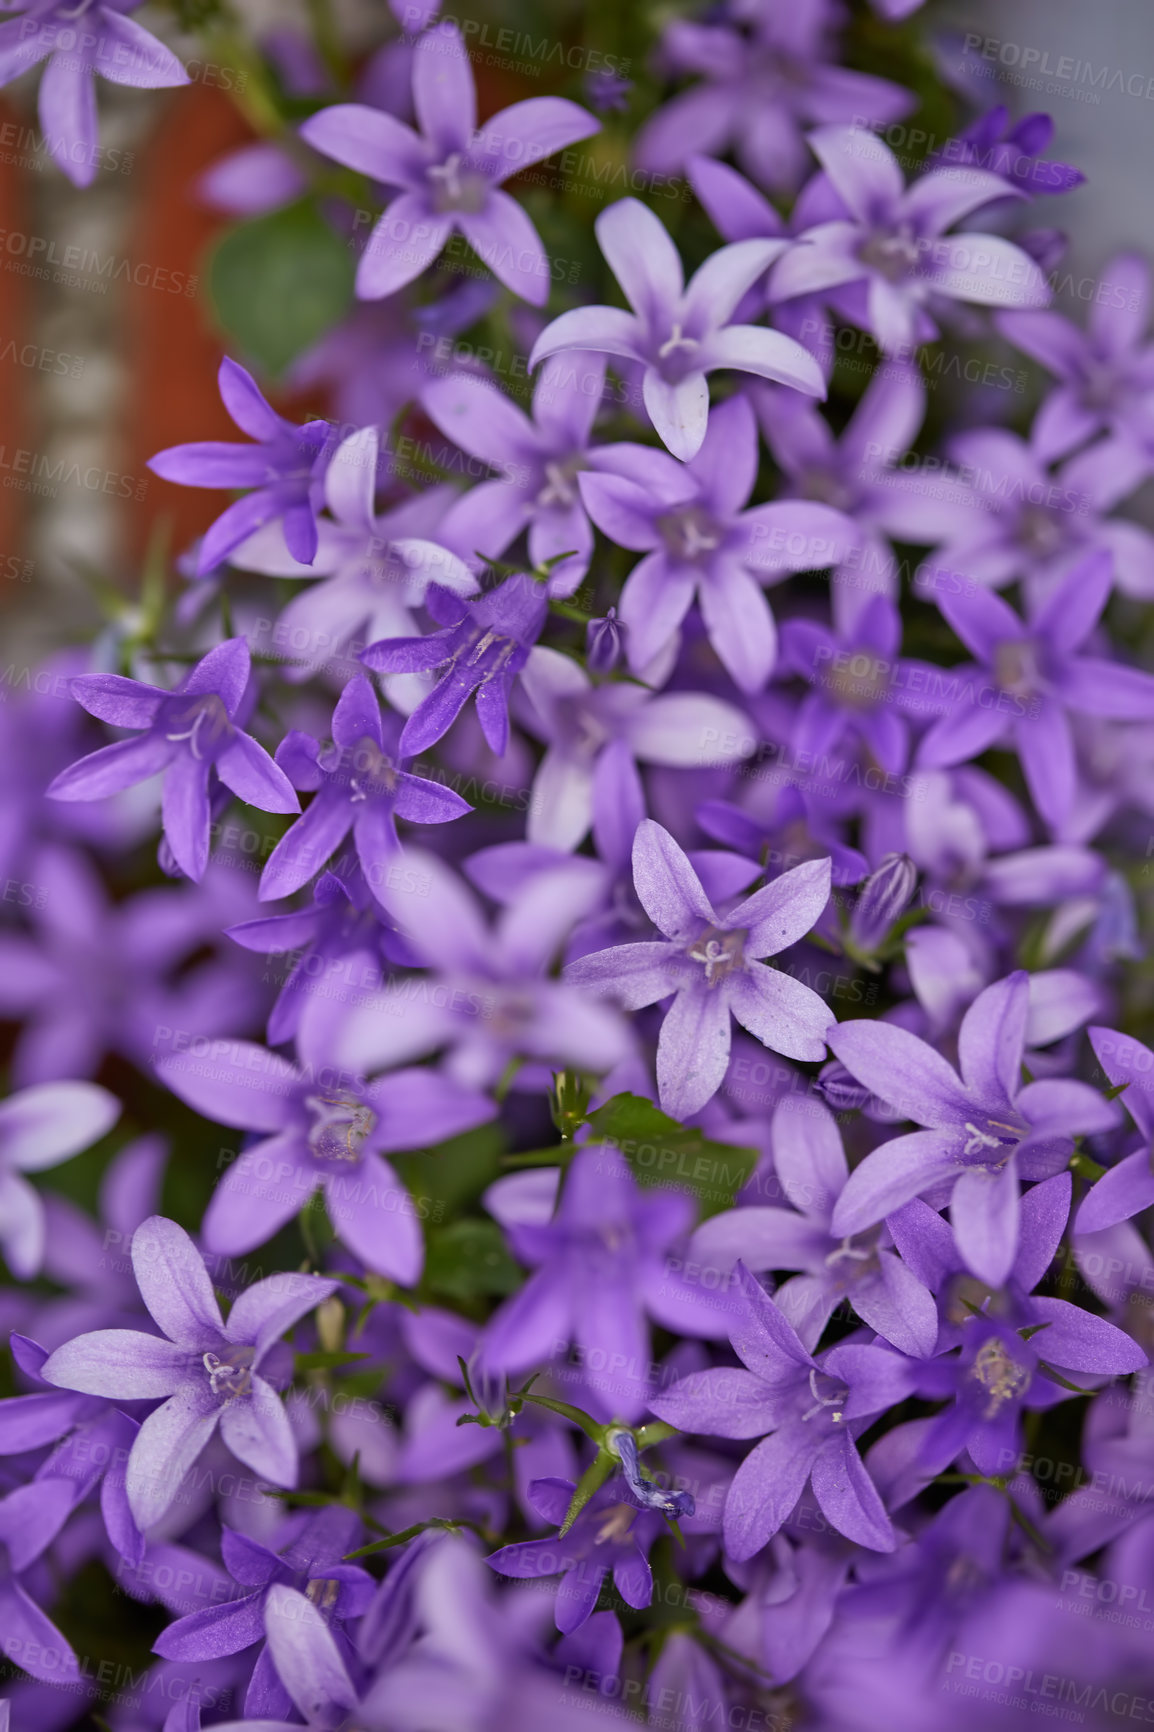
487,997
813,1410
309,1560
205,1372
594,734
39,1128
687,519
1029,676
356,785
79,42
679,333
882,900
858,476
710,963
320,1127
985,1130
613,1533
995,1360
861,1268
1014,151
95,976
860,685
341,938
483,645
192,736
450,172
377,566
895,247
1127,1188
765,83
30,1519
1106,373
538,460
602,1254
285,468
1022,520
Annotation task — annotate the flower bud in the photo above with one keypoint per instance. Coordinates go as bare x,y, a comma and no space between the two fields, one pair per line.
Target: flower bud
883,898
604,642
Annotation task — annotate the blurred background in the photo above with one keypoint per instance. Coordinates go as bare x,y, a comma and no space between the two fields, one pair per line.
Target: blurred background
113,316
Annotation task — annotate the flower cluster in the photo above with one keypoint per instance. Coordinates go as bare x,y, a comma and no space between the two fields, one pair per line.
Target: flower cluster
600,969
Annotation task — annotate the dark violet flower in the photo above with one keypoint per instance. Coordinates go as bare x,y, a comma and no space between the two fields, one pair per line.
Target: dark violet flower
537,461
91,1438
607,92
594,733
450,173
997,1350
340,941
689,521
863,1268
320,1127
1105,374
482,646
205,1372
679,332
813,1410
356,785
882,900
1029,675
309,1558
764,84
671,1504
613,1533
780,827
985,1132
711,965
285,469
602,1253
1014,150
79,41
895,246
190,734
39,1128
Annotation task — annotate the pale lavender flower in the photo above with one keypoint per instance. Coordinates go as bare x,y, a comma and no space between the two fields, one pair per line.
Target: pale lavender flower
39,1128
679,332
205,1372
710,964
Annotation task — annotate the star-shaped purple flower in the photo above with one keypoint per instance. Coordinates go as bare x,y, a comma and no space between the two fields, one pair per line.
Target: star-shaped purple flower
193,735
319,1127
356,785
1105,373
679,332
483,645
813,1410
1029,676
711,964
285,469
78,42
205,1372
688,521
450,172
985,1129
895,246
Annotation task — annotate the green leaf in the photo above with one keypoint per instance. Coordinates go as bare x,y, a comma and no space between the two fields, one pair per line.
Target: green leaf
444,1178
576,1416
468,1258
279,283
588,1485
662,1152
